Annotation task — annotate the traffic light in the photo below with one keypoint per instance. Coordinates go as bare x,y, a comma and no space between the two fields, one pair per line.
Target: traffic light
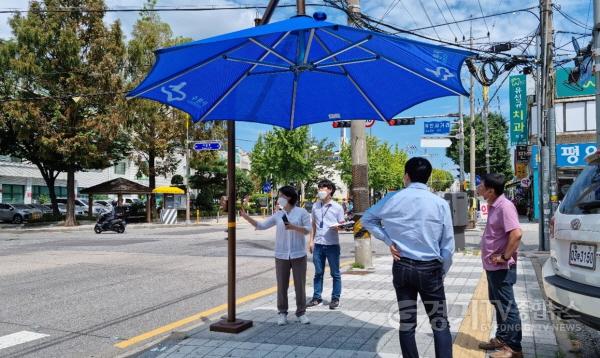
401,121
341,124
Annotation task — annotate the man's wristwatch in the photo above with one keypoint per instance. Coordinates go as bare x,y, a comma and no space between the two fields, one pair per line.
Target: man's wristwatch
504,258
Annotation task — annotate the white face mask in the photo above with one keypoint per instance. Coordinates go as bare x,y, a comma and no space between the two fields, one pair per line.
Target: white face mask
322,195
282,202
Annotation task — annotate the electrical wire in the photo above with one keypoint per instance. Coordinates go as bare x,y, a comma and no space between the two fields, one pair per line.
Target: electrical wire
429,19
569,18
444,17
454,19
409,13
484,18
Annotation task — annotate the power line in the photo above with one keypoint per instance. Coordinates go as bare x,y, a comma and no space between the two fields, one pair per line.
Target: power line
429,19
444,17
454,19
409,13
484,20
570,18
392,6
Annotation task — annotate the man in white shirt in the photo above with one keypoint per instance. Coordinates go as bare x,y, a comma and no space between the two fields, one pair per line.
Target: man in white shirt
325,243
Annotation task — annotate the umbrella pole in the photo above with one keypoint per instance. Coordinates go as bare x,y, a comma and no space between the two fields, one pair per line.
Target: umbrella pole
300,7
231,324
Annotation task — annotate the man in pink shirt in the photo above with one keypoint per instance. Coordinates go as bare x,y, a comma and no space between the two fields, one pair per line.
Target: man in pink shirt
499,246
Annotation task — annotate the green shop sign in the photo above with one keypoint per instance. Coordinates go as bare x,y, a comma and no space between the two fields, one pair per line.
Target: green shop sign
518,109
566,89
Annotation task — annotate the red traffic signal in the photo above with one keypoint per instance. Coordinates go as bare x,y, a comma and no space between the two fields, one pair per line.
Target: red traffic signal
401,121
341,124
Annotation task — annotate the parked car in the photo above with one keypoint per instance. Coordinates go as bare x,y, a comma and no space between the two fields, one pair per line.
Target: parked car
36,214
43,208
81,207
14,214
572,273
105,203
62,208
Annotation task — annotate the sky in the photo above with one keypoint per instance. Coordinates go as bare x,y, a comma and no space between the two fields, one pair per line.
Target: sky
409,14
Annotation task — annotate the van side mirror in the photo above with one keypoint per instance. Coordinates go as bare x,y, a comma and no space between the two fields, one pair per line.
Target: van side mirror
11,208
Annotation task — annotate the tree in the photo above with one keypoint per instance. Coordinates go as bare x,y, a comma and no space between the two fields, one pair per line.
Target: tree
386,165
211,181
498,142
440,180
64,78
291,157
158,131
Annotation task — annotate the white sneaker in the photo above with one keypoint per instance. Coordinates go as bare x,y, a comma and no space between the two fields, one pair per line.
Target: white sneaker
303,319
282,319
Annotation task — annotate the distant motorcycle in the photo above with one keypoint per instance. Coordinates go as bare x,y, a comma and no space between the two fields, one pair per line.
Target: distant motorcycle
106,222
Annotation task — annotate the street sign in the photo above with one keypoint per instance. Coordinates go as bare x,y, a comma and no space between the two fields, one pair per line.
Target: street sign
518,109
207,145
436,127
369,123
521,154
525,183
435,142
266,187
521,170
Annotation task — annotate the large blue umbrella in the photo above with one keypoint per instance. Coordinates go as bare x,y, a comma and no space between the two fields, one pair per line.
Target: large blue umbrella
301,71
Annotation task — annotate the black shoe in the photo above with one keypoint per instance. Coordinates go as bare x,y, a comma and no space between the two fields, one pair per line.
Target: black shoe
335,303
314,302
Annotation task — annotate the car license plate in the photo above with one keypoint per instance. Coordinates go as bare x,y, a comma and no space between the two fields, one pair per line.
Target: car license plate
583,255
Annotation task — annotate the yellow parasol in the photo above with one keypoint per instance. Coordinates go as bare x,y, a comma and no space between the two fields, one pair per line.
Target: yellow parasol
168,190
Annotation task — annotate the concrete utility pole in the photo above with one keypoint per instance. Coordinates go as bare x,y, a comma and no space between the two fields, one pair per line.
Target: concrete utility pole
540,142
596,54
472,148
461,143
486,100
360,175
547,151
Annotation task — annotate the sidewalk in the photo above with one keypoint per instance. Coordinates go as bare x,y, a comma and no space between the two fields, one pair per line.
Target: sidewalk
366,325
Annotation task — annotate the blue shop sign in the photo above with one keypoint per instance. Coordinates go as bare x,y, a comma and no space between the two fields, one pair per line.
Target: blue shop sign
567,155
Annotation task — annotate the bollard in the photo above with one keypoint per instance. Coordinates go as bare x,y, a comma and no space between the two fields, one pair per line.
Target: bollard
197,216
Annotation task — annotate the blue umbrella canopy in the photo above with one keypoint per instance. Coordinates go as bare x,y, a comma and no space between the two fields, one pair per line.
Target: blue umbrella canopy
301,71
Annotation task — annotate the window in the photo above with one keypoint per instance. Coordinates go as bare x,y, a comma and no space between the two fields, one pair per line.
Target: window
13,193
120,168
584,195
39,190
575,116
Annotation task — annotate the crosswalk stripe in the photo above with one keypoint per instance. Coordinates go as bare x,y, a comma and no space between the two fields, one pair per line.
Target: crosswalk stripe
19,338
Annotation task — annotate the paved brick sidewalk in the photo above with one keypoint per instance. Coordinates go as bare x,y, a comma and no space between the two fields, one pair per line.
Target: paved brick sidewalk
366,323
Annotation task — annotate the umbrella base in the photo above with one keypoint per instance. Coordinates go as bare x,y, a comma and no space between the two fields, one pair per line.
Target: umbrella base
237,326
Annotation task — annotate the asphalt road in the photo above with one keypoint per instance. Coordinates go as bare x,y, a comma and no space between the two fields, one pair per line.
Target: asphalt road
87,292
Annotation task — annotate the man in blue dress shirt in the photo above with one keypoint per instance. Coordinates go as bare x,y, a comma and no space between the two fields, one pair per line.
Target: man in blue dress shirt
417,226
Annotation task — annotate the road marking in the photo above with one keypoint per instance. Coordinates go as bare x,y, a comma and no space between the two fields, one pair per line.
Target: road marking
203,315
476,325
19,338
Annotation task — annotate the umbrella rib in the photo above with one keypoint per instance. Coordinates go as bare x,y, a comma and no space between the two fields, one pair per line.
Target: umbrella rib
345,49
271,50
308,46
396,64
294,95
347,74
186,71
254,62
240,79
350,62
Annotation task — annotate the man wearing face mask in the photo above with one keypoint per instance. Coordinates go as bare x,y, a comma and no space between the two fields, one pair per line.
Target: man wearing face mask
325,243
499,246
417,226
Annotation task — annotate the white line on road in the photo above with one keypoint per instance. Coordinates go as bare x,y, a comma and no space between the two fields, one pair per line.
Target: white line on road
19,338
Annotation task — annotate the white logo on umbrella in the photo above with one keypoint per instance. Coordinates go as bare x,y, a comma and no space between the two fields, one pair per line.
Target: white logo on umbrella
441,72
174,89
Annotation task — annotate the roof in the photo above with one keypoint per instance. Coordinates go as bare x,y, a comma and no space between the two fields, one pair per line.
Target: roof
117,186
168,190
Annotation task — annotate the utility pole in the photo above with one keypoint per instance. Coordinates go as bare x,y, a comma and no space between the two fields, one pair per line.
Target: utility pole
360,175
549,88
472,136
596,54
486,91
461,143
548,126
540,141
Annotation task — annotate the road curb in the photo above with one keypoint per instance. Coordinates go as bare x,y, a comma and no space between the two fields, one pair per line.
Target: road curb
91,227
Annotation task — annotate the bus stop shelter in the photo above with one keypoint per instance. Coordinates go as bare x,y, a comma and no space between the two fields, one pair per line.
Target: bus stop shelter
119,187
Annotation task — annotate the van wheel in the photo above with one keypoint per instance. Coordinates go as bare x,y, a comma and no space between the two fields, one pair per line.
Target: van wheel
17,219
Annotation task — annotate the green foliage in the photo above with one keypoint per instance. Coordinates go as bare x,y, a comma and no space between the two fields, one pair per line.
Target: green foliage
498,142
177,180
440,180
75,61
386,165
44,199
291,157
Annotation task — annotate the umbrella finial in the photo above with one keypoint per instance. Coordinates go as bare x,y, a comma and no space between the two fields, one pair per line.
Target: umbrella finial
320,16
